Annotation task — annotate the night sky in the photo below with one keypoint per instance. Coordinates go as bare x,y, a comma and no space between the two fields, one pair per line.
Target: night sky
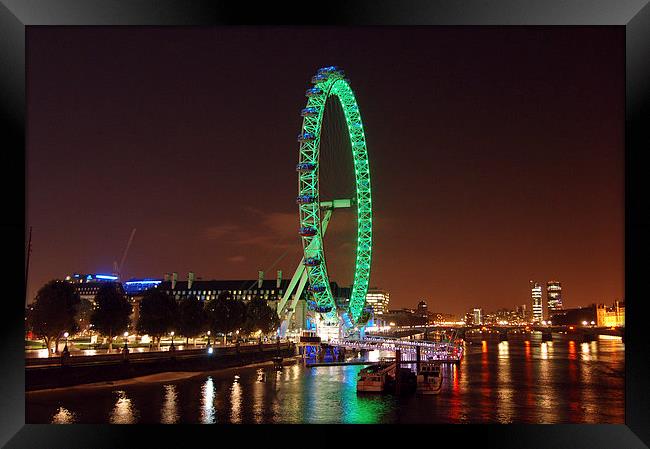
496,156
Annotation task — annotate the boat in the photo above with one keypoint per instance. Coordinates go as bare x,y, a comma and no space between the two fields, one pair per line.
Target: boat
373,378
429,379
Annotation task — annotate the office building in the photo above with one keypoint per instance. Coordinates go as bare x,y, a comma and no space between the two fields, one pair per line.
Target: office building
378,300
422,309
536,295
87,285
553,297
477,316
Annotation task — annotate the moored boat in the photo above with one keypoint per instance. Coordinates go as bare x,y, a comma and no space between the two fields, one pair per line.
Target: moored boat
429,380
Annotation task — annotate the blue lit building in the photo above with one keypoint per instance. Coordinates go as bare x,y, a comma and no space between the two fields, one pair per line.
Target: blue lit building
135,287
87,285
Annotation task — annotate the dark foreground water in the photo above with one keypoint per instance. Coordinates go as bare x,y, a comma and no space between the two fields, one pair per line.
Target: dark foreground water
556,382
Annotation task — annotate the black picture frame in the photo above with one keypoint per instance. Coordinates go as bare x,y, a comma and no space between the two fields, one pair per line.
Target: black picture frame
634,15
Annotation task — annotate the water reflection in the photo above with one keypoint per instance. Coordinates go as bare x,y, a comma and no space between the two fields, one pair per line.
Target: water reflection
63,416
235,400
169,414
503,382
259,390
505,390
208,412
123,412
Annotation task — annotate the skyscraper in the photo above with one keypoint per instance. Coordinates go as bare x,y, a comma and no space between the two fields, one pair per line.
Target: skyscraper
553,296
536,295
422,309
378,299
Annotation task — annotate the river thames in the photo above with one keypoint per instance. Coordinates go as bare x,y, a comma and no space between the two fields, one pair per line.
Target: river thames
508,382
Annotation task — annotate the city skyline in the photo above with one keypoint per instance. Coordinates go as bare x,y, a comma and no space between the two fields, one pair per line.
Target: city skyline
122,135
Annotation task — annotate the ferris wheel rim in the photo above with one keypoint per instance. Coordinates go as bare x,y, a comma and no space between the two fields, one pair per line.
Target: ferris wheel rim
330,82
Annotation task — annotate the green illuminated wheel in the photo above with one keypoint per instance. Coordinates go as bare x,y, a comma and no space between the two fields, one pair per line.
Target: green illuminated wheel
330,82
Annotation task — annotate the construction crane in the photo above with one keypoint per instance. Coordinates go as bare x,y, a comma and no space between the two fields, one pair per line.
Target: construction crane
117,269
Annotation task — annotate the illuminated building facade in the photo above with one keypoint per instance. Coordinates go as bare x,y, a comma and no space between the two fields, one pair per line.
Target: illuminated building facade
536,295
611,316
422,309
378,300
553,296
87,285
477,316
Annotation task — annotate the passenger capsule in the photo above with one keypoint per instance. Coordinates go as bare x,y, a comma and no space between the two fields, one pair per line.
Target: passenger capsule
313,91
317,288
305,199
328,69
324,309
309,112
320,78
312,261
307,231
306,137
305,167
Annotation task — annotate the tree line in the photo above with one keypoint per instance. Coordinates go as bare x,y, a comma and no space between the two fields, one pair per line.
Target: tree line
58,308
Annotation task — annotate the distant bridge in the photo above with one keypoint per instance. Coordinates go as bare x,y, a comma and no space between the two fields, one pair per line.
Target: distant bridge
578,332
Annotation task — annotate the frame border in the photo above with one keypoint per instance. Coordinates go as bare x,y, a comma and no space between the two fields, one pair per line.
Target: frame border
634,15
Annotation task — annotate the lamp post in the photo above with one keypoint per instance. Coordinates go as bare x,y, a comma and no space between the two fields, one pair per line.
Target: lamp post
208,339
66,353
125,351
172,348
65,334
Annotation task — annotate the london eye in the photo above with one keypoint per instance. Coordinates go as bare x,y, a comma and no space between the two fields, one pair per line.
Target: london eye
330,84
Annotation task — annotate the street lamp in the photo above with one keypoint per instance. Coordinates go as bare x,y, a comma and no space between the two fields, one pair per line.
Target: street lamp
172,348
208,339
126,339
65,348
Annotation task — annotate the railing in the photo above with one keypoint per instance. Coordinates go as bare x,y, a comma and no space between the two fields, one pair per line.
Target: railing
433,350
153,355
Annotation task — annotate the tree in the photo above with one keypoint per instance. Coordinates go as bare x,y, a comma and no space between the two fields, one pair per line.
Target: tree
259,316
53,312
192,317
158,313
84,314
111,314
225,314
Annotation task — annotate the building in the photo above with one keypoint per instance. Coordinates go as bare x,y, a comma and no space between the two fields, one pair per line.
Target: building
403,317
134,289
378,300
87,285
553,297
477,316
246,289
611,316
523,312
504,317
538,308
422,309
575,317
